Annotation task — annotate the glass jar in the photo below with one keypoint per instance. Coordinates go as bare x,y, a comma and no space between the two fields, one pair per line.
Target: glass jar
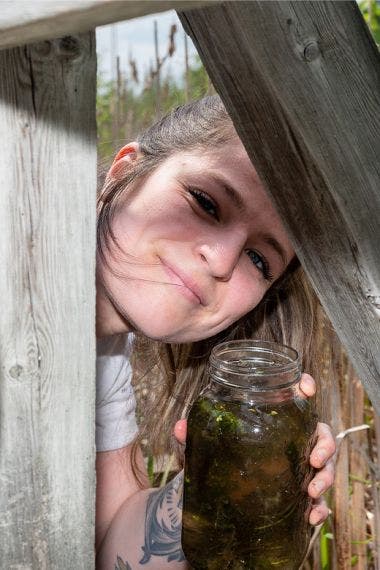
247,468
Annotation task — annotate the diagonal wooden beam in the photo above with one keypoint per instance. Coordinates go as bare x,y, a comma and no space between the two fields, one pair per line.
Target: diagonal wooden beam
24,21
301,81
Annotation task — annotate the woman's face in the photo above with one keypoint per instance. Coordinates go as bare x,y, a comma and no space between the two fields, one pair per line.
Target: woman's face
199,244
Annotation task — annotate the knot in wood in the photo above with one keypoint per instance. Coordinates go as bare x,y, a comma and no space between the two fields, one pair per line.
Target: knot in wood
374,300
16,371
43,49
311,51
69,46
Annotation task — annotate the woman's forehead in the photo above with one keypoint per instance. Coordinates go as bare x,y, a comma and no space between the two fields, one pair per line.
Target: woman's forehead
231,158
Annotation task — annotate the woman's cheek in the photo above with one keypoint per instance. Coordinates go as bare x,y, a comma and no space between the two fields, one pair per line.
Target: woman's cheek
248,293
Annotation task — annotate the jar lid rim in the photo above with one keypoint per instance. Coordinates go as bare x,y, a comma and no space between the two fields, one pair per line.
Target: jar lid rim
261,369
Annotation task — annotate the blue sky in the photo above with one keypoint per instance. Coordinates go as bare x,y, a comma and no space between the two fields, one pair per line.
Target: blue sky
136,37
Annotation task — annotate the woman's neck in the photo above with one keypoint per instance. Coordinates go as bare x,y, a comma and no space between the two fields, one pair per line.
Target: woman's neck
108,319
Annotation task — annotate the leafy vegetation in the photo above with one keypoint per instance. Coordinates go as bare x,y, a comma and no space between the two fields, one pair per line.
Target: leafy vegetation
371,12
124,109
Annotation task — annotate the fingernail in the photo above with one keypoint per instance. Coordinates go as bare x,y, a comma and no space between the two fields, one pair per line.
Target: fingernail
307,382
322,454
319,486
319,520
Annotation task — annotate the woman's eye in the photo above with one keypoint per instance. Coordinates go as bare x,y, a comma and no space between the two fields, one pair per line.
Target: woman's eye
261,263
205,202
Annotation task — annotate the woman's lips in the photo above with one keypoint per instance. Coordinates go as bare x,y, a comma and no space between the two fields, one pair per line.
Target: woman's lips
188,287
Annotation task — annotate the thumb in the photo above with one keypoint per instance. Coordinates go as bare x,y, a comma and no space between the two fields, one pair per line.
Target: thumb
307,386
180,430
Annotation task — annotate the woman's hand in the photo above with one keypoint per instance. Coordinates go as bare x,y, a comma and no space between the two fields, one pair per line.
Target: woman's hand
321,457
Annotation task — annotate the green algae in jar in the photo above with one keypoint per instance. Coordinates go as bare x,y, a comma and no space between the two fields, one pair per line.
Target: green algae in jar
247,467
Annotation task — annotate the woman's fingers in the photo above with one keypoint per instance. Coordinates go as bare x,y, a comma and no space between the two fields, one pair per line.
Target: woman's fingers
319,512
180,430
322,481
307,385
322,458
325,447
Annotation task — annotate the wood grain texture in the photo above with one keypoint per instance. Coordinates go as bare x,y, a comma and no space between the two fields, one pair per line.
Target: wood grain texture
340,401
358,475
339,412
301,81
47,291
24,21
374,445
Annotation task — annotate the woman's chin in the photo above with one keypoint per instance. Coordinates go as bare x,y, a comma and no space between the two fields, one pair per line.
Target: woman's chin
163,322
169,336
172,334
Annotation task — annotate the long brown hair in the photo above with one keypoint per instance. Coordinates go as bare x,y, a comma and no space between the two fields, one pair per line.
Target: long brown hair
176,373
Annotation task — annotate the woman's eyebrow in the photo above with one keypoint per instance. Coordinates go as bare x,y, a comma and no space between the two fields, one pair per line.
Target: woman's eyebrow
231,192
270,240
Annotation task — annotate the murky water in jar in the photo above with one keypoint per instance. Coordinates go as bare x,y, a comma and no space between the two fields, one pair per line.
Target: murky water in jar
246,477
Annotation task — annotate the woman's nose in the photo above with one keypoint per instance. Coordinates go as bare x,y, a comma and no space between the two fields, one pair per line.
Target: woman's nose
222,256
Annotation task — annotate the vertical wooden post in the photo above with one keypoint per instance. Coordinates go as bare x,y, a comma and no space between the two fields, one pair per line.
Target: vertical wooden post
358,474
47,291
374,445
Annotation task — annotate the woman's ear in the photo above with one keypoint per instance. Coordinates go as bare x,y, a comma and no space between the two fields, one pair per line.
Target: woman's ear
126,156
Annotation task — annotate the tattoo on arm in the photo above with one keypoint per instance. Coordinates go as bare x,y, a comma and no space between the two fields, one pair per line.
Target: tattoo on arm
120,565
163,525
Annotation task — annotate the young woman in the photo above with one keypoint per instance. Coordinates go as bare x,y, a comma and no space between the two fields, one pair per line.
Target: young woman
191,252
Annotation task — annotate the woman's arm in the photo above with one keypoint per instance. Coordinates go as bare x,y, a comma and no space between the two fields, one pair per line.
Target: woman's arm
115,482
116,429
146,532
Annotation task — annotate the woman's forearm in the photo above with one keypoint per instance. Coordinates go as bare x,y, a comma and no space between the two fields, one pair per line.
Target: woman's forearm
146,532
115,482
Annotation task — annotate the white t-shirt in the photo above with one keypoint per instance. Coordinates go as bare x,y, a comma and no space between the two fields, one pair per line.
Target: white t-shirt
115,401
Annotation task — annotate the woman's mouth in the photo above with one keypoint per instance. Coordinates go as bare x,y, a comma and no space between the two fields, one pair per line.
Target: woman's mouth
185,285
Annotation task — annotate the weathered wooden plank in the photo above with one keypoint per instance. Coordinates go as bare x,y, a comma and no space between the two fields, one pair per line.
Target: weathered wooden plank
24,21
47,344
374,445
301,81
336,396
358,475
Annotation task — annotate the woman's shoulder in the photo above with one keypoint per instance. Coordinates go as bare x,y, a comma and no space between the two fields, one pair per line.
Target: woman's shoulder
113,355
